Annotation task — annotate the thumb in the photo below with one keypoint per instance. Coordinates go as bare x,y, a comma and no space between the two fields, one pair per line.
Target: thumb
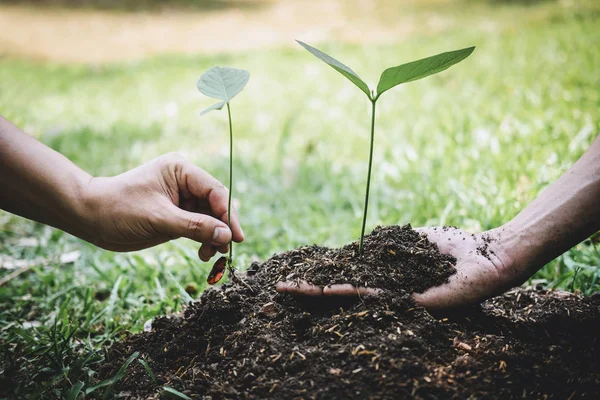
199,227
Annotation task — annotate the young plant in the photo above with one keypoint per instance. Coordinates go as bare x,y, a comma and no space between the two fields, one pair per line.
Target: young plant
391,77
223,83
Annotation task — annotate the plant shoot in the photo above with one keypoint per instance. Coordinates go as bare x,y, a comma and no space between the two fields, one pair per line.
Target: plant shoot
223,83
391,77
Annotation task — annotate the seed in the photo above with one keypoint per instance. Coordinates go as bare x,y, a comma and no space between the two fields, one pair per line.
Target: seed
217,271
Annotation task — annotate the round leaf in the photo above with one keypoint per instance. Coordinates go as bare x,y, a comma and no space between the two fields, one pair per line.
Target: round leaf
223,83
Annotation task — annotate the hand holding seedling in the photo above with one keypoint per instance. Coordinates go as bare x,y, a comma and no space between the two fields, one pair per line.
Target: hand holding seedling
161,200
164,199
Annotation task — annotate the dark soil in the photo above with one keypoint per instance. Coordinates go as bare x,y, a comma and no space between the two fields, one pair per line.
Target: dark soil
246,341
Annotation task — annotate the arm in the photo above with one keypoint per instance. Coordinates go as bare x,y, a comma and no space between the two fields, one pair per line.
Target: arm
156,202
40,184
564,215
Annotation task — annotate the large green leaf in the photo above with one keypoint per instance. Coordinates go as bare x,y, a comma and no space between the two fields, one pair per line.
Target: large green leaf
223,83
339,67
420,69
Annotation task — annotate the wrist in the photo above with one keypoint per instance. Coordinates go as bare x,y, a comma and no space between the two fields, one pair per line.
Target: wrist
86,209
516,251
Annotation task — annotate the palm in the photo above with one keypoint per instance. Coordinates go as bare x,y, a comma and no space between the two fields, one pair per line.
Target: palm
479,269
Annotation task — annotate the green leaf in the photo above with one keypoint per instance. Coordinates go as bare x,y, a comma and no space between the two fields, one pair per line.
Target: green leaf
339,67
92,389
148,369
420,69
112,300
73,393
216,106
111,381
175,393
120,373
223,83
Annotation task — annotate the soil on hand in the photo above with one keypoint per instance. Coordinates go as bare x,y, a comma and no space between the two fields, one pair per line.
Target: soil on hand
246,341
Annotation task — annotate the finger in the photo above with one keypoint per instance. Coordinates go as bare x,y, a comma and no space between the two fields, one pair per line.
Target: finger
202,185
223,249
199,227
235,225
190,204
442,298
206,252
349,290
301,288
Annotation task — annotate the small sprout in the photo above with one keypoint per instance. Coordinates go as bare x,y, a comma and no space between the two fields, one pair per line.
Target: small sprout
224,83
391,77
217,271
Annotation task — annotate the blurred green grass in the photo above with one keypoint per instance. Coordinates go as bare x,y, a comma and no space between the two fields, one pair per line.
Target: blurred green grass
469,147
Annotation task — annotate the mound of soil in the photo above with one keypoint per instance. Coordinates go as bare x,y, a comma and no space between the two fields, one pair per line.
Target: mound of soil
245,341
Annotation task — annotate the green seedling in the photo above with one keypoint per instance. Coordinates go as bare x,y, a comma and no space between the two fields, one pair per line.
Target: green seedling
223,83
391,77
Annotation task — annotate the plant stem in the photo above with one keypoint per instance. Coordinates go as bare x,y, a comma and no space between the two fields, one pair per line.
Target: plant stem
230,260
364,221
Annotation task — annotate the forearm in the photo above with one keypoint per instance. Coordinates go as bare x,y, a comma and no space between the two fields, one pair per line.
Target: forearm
564,214
40,184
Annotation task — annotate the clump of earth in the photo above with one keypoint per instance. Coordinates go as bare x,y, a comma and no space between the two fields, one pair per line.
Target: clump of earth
246,341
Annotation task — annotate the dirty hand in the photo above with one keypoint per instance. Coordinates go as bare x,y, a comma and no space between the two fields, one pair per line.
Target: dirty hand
479,273
164,199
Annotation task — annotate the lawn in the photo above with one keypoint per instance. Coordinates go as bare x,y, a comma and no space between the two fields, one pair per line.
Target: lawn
469,147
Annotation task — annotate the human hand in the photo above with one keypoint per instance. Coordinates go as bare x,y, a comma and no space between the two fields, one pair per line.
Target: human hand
164,199
483,269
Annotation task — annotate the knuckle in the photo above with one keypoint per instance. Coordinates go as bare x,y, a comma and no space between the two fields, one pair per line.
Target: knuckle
218,191
197,227
219,186
172,158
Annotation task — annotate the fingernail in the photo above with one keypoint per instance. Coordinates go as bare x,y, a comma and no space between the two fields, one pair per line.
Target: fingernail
221,235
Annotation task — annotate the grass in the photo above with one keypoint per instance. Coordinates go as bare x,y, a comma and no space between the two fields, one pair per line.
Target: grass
470,147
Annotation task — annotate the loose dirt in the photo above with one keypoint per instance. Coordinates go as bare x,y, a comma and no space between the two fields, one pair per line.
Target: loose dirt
245,341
